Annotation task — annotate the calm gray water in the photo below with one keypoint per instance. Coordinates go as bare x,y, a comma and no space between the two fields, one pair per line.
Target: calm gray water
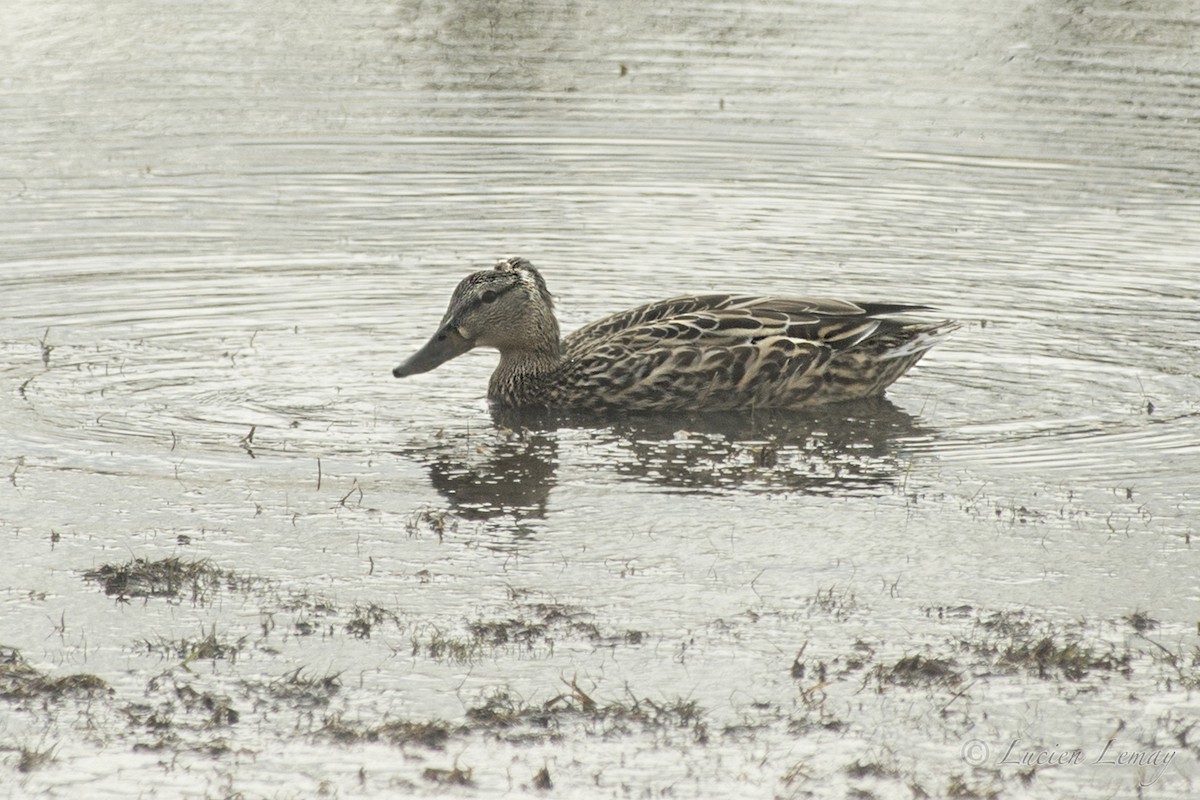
224,223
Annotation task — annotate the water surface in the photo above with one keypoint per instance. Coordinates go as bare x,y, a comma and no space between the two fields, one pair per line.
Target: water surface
225,223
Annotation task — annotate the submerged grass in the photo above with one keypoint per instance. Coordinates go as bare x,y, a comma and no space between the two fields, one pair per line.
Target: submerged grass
365,618
1013,641
502,711
209,646
32,758
505,716
916,670
20,681
431,734
218,708
448,777
167,577
180,712
959,788
532,630
432,520
447,648
297,685
297,690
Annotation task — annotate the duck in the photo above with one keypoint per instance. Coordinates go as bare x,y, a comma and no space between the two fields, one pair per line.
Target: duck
704,352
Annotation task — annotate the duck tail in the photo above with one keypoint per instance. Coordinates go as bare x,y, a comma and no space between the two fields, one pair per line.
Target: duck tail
918,337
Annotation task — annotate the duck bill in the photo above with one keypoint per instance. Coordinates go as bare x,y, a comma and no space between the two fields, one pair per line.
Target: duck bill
445,345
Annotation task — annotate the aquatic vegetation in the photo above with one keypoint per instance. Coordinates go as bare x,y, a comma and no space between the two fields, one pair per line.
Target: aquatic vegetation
839,604
1141,622
541,779
364,619
170,577
448,777
209,646
300,690
532,630
20,681
504,715
960,787
917,670
31,758
433,520
1013,640
431,734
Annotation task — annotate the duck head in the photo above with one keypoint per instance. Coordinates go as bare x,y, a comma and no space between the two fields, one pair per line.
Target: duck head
507,307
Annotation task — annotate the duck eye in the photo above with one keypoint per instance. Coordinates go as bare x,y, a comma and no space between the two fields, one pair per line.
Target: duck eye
489,296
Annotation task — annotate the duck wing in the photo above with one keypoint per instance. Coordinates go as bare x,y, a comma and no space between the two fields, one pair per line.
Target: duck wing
726,319
717,351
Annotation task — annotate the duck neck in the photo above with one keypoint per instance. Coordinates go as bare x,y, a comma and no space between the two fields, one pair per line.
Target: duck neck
522,374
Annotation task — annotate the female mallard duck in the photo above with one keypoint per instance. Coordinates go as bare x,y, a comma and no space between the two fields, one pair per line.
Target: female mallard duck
713,352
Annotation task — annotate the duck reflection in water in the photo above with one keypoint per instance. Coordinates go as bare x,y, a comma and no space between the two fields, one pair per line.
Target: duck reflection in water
855,447
510,469
500,472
